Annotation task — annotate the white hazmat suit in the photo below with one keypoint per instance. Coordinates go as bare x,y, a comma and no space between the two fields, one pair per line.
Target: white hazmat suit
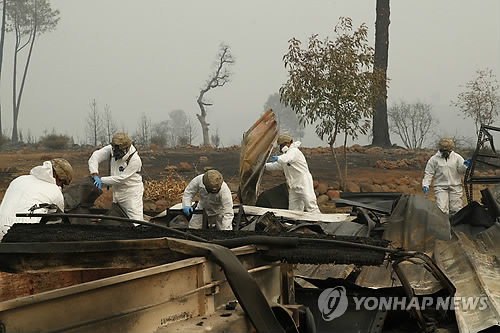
447,180
25,191
125,179
218,206
301,195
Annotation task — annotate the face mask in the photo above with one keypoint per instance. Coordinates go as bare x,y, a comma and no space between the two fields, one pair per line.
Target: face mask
445,153
284,149
118,152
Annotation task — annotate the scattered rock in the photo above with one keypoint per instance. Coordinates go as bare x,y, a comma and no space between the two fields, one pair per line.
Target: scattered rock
161,205
149,205
351,187
366,187
322,199
170,168
332,194
184,167
203,160
404,181
322,188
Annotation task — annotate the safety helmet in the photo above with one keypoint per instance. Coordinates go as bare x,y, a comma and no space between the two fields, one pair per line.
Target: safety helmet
284,138
121,140
63,170
446,143
212,179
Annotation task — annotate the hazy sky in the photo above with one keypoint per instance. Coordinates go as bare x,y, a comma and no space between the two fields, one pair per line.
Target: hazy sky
153,56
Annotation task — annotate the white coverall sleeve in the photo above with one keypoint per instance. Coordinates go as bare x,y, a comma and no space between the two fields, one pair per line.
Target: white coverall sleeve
191,190
99,156
430,170
132,168
289,156
273,166
228,214
59,202
460,164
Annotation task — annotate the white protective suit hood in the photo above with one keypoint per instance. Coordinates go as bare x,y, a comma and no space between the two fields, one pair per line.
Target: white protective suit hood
44,172
28,190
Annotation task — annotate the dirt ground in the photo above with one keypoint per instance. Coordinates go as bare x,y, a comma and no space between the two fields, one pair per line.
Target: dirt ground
366,166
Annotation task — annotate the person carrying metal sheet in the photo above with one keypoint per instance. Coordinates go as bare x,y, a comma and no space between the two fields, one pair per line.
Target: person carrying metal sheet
43,186
215,199
125,178
301,195
446,167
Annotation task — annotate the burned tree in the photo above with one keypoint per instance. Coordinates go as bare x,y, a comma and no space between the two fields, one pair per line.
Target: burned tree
380,124
28,20
218,78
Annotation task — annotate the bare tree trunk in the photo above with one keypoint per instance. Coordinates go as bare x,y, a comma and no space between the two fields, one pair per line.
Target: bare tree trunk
345,157
339,172
202,118
17,103
2,41
219,78
380,124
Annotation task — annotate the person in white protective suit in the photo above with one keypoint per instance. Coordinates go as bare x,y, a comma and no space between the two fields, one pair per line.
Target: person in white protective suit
215,199
42,186
125,179
301,195
446,167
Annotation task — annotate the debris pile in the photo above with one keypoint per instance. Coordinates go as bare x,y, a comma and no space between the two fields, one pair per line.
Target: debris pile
170,188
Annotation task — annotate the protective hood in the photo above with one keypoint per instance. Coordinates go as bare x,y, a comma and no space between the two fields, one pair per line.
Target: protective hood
295,144
44,172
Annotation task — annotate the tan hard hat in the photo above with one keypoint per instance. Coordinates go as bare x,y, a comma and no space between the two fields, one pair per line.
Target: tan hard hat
446,143
122,140
284,138
63,170
212,179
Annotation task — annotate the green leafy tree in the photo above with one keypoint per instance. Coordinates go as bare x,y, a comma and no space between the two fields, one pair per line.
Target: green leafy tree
480,100
28,19
332,84
287,119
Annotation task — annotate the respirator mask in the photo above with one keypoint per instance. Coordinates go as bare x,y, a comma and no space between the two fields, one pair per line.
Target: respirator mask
283,149
118,152
445,153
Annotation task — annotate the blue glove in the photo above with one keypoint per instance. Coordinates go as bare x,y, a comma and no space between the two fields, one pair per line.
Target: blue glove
97,182
467,162
426,189
188,210
274,159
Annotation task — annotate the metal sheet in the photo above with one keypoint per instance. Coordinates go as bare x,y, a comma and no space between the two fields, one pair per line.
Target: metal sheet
415,224
324,271
473,266
255,150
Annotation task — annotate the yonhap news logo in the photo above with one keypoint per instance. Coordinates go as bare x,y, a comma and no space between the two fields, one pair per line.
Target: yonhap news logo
332,303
